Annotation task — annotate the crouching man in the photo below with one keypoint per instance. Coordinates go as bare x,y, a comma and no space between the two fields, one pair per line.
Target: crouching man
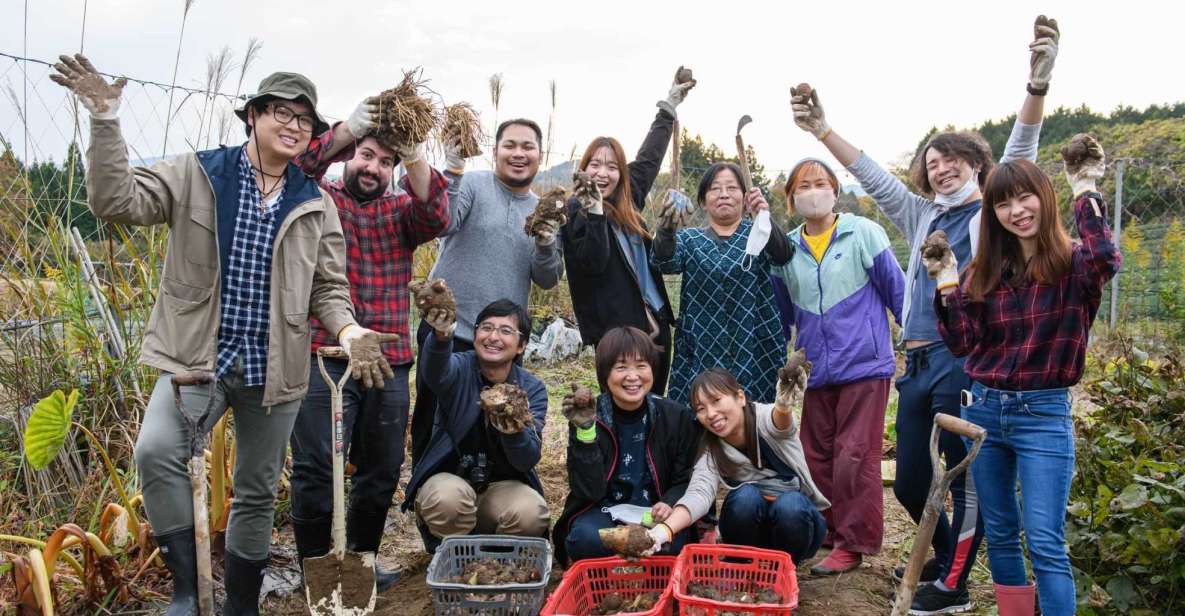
478,471
255,247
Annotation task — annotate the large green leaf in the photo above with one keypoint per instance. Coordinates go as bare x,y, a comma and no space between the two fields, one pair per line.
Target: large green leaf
47,427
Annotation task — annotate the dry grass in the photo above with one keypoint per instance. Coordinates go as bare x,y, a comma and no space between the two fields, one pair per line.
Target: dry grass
406,114
462,125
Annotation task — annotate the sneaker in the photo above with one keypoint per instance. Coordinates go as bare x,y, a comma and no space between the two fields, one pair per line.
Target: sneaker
931,571
930,599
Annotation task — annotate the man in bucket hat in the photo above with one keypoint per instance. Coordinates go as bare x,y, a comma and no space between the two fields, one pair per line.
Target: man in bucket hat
255,247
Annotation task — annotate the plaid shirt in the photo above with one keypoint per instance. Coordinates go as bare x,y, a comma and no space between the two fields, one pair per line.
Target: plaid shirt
247,284
381,236
1034,336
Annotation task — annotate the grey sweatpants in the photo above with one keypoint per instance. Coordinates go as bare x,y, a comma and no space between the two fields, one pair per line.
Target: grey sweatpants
162,451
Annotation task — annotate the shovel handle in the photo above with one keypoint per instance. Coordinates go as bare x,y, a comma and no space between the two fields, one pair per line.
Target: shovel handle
960,426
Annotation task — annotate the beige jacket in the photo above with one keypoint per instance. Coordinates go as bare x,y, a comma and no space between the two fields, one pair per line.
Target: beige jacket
308,263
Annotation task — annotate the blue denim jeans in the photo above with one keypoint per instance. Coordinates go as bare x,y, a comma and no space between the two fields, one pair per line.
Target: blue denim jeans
791,523
1030,438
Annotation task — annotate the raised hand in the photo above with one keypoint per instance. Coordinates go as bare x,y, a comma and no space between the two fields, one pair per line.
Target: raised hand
81,77
1085,163
792,380
587,193
808,113
680,86
673,212
1043,52
940,261
364,346
580,407
364,118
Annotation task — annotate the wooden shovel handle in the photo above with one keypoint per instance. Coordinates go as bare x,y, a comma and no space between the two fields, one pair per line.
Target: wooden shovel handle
959,426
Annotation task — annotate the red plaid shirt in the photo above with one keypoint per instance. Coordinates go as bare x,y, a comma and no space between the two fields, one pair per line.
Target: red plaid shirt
1034,336
381,236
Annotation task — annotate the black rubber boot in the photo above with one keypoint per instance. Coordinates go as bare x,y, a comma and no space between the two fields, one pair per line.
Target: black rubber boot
313,537
364,533
179,552
243,578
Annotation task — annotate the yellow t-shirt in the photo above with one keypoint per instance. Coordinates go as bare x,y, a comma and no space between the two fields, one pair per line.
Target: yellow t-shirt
819,243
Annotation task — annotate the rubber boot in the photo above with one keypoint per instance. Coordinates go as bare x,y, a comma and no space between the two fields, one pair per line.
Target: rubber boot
1016,600
242,578
313,537
179,551
364,533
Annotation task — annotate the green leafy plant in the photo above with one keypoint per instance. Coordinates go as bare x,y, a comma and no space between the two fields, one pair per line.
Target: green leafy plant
48,427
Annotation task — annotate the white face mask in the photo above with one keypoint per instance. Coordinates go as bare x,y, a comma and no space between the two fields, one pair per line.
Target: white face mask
758,237
815,202
960,195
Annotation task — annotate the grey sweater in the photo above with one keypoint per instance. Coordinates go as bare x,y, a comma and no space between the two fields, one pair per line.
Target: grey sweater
484,254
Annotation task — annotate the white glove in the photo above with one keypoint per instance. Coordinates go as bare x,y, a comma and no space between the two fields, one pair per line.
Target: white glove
1085,163
1043,52
453,161
82,78
442,322
940,261
676,95
410,154
808,113
661,535
364,119
545,232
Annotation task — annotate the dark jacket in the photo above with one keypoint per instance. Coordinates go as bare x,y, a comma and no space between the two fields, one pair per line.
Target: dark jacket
670,452
605,290
456,380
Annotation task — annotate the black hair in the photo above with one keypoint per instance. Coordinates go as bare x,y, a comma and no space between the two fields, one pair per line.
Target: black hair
257,105
505,308
710,176
519,122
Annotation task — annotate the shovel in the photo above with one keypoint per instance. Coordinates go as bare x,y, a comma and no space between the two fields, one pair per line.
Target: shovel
745,119
939,486
341,583
198,438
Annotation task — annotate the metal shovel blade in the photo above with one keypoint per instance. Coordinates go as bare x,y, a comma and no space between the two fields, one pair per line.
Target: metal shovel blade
340,585
745,119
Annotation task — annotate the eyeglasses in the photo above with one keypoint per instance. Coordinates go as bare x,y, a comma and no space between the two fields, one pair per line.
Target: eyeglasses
504,330
732,190
284,116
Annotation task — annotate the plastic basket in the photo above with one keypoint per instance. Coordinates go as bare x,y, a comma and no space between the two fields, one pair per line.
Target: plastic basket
587,582
733,566
457,599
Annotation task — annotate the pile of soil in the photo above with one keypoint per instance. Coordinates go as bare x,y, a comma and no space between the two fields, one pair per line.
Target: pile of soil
491,571
616,603
629,541
507,402
552,207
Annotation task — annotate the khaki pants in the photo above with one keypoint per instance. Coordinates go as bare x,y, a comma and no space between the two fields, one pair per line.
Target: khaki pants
450,506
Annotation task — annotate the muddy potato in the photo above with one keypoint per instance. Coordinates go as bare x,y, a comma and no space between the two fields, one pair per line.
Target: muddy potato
552,206
768,595
629,541
509,401
802,89
703,590
609,604
432,295
683,75
795,366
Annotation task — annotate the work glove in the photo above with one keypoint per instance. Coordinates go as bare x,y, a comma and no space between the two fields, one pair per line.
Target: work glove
453,161
661,535
443,322
1043,52
808,113
78,75
366,355
580,409
792,379
364,118
545,232
940,261
673,212
507,424
680,86
587,193
409,153
1085,163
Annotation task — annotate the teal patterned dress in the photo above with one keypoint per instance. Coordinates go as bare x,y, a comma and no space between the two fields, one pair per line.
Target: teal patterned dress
727,316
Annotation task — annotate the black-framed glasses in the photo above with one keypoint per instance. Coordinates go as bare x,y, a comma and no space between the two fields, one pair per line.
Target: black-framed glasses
504,330
284,115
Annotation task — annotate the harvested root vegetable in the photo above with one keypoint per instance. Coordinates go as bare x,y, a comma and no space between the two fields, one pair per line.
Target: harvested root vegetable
489,571
582,397
803,89
585,190
433,295
1082,149
797,368
744,593
936,245
406,116
683,75
552,207
631,541
615,603
507,407
462,126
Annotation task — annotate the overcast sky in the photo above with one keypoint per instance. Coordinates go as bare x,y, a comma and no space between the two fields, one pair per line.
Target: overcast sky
885,71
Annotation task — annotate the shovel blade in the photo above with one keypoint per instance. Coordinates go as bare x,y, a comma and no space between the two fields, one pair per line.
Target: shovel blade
745,119
340,586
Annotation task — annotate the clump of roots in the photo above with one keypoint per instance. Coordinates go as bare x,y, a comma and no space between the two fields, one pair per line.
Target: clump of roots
406,115
552,207
462,126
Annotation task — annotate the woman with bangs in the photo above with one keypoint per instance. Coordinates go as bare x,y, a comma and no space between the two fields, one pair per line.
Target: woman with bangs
607,245
1021,317
632,450
842,282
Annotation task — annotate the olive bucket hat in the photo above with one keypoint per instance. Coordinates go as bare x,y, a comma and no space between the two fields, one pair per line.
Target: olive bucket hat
290,87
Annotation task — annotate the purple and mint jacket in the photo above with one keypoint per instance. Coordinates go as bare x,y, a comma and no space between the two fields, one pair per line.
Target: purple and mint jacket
840,304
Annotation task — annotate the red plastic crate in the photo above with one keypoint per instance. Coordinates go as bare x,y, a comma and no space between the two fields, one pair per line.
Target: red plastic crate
725,566
588,581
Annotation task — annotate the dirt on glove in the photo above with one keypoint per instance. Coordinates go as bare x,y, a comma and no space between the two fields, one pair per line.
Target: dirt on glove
552,207
462,126
405,116
431,295
935,246
507,403
630,541
490,571
797,367
617,603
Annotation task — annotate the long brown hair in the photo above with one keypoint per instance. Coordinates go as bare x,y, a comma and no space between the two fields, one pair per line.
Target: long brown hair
619,206
1000,251
722,382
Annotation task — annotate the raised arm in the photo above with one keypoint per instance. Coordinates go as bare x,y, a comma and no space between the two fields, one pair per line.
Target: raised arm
427,217
1097,259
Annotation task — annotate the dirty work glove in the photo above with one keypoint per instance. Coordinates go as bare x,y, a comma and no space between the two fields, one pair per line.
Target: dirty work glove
453,161
675,209
808,113
1085,163
442,322
78,75
940,261
587,193
545,232
580,408
364,119
366,356
661,534
1043,52
792,381
678,91
410,153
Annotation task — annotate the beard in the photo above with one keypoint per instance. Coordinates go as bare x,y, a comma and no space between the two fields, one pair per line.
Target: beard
513,183
355,188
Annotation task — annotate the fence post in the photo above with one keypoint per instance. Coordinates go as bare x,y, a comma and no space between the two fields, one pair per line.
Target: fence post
1117,234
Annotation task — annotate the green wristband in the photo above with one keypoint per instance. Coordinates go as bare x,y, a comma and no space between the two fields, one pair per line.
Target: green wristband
587,435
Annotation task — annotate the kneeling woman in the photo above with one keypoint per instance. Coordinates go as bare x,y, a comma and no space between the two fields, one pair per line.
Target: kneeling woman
632,448
753,449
